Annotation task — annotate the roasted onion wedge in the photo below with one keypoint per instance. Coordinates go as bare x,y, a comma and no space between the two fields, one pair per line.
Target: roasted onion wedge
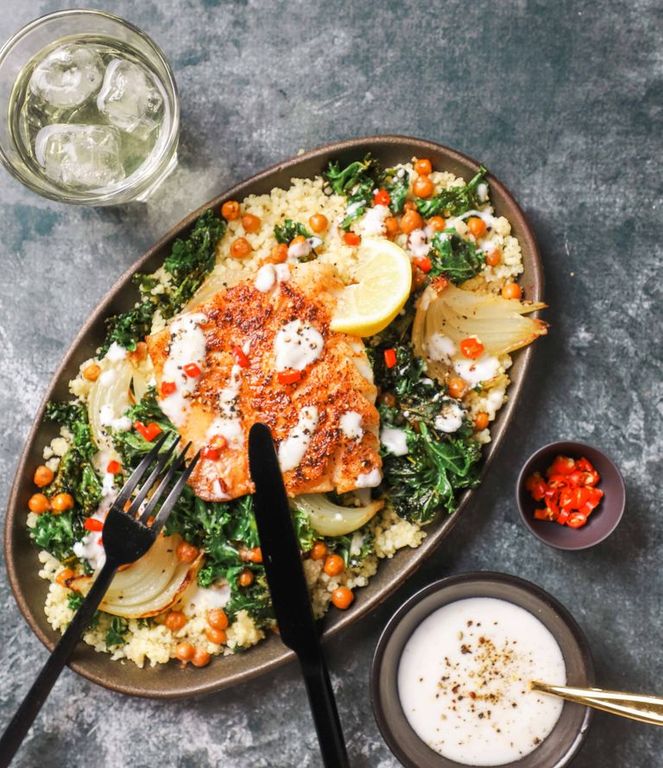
120,383
329,519
500,324
147,587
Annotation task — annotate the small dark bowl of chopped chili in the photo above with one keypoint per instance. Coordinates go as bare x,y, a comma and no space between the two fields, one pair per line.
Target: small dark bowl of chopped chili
570,495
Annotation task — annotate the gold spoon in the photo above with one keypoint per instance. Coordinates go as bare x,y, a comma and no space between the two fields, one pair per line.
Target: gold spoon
645,709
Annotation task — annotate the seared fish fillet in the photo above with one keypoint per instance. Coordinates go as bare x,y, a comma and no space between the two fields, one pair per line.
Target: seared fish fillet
262,351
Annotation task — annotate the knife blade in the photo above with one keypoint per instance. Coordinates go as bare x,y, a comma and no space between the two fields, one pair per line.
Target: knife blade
290,597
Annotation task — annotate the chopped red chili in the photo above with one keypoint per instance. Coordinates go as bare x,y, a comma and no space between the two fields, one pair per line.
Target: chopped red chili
148,431
381,197
390,359
191,370
289,377
568,491
113,467
471,348
424,264
167,388
240,356
92,524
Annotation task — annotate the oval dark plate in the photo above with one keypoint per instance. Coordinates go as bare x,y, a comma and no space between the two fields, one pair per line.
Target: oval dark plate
169,681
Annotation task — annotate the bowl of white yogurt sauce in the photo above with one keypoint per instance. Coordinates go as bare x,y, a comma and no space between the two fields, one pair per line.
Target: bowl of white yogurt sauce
451,672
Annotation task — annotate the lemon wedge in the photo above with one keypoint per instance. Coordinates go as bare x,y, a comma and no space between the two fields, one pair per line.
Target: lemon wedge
383,278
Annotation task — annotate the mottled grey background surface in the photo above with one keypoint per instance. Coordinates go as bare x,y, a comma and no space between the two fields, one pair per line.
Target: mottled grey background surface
563,101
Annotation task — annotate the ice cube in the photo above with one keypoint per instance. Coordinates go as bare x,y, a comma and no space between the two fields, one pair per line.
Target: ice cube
129,98
85,156
68,76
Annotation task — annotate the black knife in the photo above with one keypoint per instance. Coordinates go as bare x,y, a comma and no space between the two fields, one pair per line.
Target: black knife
290,598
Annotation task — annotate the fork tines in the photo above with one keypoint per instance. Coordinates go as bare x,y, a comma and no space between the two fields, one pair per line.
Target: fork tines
158,481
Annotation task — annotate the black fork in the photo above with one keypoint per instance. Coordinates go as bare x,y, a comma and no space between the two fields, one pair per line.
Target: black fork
127,535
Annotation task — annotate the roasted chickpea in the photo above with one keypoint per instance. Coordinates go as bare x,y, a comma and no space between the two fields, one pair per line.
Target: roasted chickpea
251,223
230,210
240,248
511,291
185,552
319,550
61,502
175,620
481,421
217,618
423,166
423,187
410,221
456,386
278,254
245,578
476,226
91,372
391,226
43,476
200,658
216,636
184,651
319,223
436,223
342,597
334,564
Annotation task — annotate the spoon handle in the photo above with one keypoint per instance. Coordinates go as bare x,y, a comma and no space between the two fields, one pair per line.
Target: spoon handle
645,709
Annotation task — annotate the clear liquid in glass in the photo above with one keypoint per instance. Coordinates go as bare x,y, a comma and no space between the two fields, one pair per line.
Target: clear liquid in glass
89,113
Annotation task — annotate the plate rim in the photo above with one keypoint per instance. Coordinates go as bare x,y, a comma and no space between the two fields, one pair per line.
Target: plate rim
434,536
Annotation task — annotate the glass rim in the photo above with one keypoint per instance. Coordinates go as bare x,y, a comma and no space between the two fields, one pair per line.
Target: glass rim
138,185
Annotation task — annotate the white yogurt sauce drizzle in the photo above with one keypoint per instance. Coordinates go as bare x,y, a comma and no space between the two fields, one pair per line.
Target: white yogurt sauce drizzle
440,348
450,418
372,223
394,440
370,479
476,371
296,346
293,448
187,345
206,598
270,275
463,681
90,547
350,424
228,423
418,243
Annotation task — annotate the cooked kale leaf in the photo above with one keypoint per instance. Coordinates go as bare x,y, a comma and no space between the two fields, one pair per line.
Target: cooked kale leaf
255,600
190,261
342,181
397,182
454,257
57,533
353,548
356,181
76,474
131,445
426,479
288,231
455,200
437,465
116,632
